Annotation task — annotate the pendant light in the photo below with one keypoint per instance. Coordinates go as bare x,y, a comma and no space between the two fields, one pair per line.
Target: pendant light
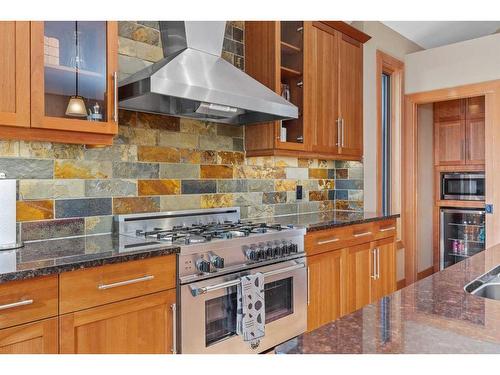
76,105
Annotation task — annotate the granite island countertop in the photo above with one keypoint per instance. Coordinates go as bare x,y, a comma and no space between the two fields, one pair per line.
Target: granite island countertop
46,257
331,219
434,315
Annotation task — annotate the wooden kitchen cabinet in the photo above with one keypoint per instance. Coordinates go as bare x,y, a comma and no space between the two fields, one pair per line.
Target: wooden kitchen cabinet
326,288
142,325
385,282
323,67
31,338
15,73
459,132
43,66
359,273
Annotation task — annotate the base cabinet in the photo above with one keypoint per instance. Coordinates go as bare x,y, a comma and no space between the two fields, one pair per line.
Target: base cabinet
326,292
359,272
142,325
384,281
31,338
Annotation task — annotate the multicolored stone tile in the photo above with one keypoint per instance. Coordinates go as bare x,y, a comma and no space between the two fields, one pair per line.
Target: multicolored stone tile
47,150
9,148
260,185
135,205
197,127
318,173
326,184
216,200
35,210
255,172
66,208
51,189
180,202
230,157
216,171
285,185
216,143
27,168
42,230
158,154
198,186
318,195
159,187
274,197
181,171
98,225
110,188
135,170
155,121
232,186
177,139
190,156
230,130
82,169
137,136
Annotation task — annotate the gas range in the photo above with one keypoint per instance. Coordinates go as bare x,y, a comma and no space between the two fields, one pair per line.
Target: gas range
212,241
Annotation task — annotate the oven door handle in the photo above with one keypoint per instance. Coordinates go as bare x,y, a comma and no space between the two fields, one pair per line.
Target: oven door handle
196,291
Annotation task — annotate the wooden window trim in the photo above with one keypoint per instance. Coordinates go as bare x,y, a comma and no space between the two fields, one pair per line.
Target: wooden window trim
395,68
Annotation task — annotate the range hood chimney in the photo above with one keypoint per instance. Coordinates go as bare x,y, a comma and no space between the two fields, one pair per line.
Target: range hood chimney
193,80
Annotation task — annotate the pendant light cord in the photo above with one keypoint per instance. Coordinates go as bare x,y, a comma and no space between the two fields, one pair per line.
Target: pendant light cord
77,65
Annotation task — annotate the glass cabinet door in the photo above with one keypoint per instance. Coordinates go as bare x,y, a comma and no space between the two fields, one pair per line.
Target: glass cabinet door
75,70
73,65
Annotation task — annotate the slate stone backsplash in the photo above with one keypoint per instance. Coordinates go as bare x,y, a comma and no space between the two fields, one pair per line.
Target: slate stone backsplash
162,163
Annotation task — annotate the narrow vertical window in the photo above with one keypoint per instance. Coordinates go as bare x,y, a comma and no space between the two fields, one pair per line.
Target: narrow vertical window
386,143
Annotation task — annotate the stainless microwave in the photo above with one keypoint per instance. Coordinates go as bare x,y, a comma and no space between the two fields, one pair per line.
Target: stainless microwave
464,186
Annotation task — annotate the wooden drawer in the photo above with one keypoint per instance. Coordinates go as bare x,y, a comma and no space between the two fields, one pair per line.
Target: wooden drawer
27,300
91,287
385,228
338,238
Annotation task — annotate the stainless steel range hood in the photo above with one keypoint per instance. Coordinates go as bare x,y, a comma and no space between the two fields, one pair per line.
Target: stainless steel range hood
193,80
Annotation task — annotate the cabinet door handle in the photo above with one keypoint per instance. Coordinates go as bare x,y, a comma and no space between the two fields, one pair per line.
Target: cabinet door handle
115,94
378,263
338,132
328,241
362,234
387,229
173,307
343,130
374,265
308,287
16,304
126,282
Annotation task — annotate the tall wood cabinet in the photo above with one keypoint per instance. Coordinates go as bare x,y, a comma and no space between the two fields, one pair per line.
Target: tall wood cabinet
459,132
57,81
320,68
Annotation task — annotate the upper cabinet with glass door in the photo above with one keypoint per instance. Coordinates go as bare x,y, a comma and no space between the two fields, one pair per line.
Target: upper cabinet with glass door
73,76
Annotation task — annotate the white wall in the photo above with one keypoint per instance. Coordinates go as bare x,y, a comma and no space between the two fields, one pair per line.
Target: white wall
472,61
386,40
425,180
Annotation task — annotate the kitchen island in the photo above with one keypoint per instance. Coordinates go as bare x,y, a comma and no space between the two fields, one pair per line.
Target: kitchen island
434,315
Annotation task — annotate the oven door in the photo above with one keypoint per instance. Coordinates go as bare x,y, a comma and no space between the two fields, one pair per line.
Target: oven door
462,186
208,310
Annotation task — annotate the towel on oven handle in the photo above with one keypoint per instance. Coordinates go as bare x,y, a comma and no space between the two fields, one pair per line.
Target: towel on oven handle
251,313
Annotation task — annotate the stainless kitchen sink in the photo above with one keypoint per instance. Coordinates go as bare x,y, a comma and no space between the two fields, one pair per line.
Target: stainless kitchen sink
487,285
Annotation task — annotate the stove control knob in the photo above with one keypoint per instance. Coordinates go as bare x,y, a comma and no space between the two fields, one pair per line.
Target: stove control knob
217,261
203,265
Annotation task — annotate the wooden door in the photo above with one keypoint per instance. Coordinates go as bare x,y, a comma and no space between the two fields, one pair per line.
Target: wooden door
74,59
385,281
320,88
359,270
15,73
350,95
30,338
326,278
474,130
449,132
135,326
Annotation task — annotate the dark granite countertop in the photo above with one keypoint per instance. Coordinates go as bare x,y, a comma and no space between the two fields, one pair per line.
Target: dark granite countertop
331,219
434,315
60,255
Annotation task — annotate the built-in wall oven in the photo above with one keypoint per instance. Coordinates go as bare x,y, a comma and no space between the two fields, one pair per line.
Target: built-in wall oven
208,319
467,186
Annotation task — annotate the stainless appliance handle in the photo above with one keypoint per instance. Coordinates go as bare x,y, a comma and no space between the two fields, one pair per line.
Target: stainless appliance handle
174,328
328,241
196,291
126,282
308,287
115,103
374,264
16,304
362,234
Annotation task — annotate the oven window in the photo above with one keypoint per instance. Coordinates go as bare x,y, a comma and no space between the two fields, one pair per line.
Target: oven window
220,317
220,312
279,299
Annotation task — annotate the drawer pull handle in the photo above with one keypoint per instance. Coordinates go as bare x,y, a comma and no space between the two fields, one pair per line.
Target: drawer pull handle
328,241
362,234
126,282
387,229
16,304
